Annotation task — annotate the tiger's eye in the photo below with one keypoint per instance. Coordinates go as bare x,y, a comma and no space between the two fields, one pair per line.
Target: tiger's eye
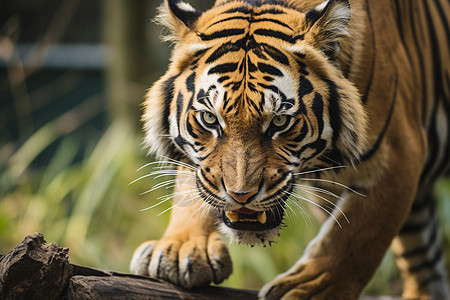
279,121
209,118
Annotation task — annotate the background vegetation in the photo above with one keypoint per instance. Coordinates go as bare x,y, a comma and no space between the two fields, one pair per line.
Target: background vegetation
70,141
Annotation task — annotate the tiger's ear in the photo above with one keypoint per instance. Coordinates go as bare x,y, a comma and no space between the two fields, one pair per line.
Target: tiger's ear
327,23
179,17
183,12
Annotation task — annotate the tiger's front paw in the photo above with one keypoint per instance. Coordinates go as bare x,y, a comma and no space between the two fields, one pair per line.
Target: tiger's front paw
192,262
312,280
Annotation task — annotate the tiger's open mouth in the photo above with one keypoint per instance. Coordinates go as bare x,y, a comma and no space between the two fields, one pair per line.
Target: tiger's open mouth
247,219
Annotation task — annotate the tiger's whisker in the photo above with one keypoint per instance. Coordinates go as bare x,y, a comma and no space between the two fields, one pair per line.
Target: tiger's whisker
165,198
142,177
178,204
320,190
329,202
180,163
154,205
300,197
319,170
160,163
333,182
302,211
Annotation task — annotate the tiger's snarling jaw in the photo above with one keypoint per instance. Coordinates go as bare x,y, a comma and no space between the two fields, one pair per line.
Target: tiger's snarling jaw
239,113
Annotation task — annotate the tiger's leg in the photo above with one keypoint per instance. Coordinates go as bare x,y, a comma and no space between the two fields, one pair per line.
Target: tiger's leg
339,262
419,252
191,253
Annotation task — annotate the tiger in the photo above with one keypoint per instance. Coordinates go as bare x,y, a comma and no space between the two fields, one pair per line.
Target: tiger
262,97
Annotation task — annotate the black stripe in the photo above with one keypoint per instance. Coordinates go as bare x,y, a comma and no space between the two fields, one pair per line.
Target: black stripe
241,9
433,146
372,67
190,82
304,87
223,78
223,68
202,158
275,54
255,107
430,279
190,129
420,58
258,3
408,54
197,55
158,270
221,34
377,143
273,88
446,160
444,21
285,159
230,19
262,101
422,250
276,34
273,21
425,248
251,67
301,135
168,88
207,180
179,109
410,228
276,183
181,142
286,151
201,98
226,100
270,11
419,204
221,51
208,259
317,108
333,157
433,138
428,264
334,110
319,145
268,69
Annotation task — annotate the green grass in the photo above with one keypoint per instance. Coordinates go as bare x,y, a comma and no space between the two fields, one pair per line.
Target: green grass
87,204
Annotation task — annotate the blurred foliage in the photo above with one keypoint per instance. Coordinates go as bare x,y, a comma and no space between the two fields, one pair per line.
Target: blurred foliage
73,185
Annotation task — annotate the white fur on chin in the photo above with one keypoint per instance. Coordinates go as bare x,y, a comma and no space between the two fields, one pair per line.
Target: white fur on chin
250,237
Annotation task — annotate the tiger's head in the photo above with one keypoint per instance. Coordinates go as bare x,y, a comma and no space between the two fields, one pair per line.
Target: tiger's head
253,96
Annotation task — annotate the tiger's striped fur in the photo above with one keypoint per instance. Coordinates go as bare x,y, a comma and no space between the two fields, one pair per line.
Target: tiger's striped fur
261,94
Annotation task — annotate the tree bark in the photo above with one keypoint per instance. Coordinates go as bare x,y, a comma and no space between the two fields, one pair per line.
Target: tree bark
37,270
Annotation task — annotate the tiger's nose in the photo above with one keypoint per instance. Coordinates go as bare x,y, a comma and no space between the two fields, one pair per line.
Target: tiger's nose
242,197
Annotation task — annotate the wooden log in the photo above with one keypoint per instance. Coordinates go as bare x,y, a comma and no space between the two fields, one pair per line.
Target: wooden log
37,270
34,270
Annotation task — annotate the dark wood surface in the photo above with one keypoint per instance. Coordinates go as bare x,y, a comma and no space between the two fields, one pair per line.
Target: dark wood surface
37,270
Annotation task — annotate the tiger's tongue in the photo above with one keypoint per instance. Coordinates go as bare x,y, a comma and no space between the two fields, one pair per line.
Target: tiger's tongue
245,211
237,214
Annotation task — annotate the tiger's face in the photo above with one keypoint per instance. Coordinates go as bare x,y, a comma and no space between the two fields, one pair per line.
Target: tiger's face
252,100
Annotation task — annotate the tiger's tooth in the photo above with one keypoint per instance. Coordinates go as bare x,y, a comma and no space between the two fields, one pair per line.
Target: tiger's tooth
262,217
233,216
